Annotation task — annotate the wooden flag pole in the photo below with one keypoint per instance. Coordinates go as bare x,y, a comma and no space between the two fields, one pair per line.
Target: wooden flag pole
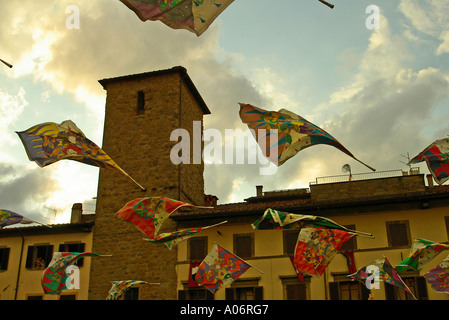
360,233
6,63
143,189
365,164
330,5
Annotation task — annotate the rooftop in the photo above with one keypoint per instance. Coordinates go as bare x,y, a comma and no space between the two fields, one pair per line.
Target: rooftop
324,196
181,70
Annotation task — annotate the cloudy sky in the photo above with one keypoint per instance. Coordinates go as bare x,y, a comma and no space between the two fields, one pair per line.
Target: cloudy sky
381,92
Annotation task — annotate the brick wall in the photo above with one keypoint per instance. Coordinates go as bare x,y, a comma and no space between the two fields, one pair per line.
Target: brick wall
140,144
367,188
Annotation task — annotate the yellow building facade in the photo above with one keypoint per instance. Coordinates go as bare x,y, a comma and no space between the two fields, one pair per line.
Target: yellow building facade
25,252
395,210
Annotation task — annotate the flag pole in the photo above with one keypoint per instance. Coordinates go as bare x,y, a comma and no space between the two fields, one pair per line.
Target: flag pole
123,171
365,164
9,65
363,234
330,5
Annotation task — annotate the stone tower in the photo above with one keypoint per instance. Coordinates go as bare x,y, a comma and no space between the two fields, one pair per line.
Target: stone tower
142,110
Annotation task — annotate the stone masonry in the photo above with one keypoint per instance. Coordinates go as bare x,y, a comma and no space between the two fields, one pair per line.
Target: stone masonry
139,142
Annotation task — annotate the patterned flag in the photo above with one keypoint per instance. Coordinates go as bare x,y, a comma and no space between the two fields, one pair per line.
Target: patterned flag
294,133
316,247
172,239
273,219
50,142
120,287
422,252
8,218
387,274
438,277
193,15
55,277
436,156
220,268
148,214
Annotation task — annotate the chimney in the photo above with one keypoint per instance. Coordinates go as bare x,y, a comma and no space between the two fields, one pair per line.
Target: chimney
77,211
210,200
259,190
429,180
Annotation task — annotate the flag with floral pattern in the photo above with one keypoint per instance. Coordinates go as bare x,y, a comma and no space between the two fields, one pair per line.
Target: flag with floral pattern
438,277
317,247
422,252
220,268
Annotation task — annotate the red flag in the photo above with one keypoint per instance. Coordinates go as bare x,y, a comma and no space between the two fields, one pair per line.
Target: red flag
148,214
349,254
192,272
316,247
299,274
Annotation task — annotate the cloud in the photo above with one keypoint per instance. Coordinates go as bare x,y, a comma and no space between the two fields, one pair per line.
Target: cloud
429,17
24,190
11,107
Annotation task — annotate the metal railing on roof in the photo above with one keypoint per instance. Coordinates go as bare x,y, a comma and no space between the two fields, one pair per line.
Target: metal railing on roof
364,176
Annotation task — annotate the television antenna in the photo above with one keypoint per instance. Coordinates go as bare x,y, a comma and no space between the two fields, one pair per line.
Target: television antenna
408,160
347,168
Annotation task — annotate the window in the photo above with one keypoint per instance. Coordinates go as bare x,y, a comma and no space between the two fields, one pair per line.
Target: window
294,289
417,285
73,247
348,290
195,294
131,294
4,258
197,248
244,289
244,245
290,238
39,256
140,102
244,293
398,233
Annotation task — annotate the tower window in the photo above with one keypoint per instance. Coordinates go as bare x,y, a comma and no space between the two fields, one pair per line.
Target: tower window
140,102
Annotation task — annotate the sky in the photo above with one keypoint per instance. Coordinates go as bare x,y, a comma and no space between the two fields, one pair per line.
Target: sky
382,90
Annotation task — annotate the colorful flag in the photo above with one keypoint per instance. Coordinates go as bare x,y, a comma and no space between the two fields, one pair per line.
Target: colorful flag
50,142
193,15
436,156
120,287
148,214
55,277
386,274
220,268
422,252
274,219
172,239
317,247
438,277
8,218
292,133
